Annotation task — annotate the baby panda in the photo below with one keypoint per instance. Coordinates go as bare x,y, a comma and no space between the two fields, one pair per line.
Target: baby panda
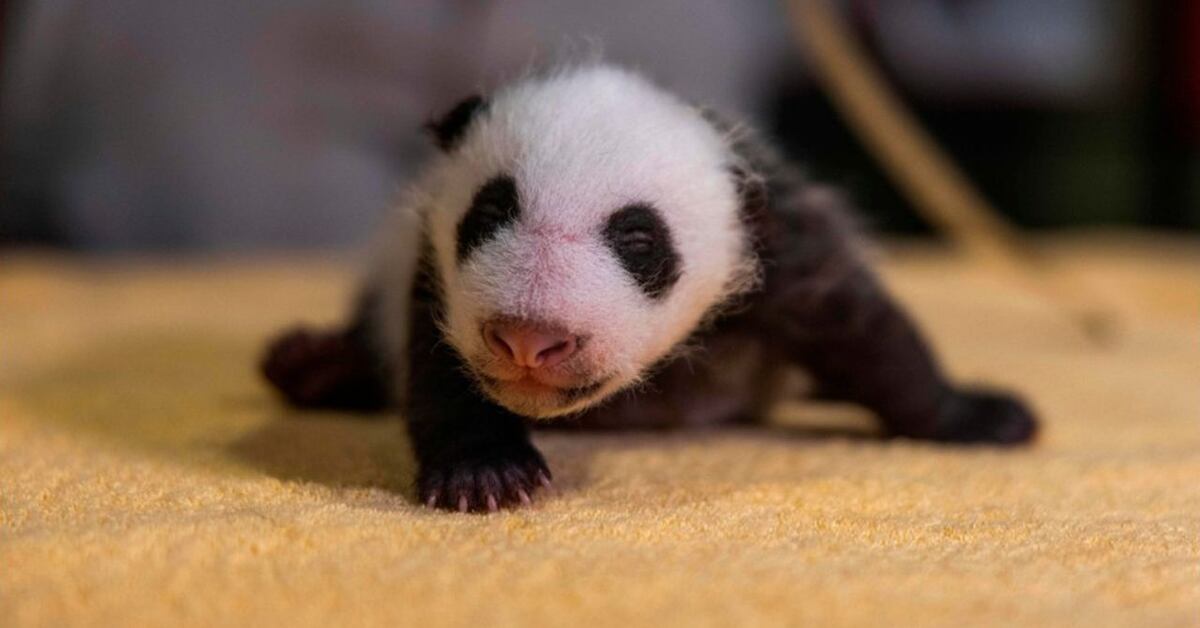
590,249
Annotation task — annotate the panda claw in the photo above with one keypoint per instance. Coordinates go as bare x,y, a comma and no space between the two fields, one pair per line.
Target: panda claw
486,483
544,480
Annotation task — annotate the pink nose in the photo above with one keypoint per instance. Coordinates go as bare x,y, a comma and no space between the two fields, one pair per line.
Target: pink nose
528,344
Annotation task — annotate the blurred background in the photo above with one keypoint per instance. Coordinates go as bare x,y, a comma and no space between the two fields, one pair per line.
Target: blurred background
177,125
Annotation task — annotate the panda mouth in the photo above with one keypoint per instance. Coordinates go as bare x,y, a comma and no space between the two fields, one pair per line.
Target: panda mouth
530,385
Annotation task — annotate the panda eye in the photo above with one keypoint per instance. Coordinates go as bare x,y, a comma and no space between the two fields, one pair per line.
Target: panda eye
637,241
642,243
495,205
491,212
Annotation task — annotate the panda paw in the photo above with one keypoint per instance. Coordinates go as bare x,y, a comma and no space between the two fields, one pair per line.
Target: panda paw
484,483
982,417
322,369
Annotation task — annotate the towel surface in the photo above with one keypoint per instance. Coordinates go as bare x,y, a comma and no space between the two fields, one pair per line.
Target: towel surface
147,477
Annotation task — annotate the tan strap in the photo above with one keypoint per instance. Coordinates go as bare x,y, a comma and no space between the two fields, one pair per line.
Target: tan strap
931,181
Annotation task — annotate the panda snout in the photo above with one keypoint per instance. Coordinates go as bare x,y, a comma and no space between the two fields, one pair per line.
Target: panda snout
529,344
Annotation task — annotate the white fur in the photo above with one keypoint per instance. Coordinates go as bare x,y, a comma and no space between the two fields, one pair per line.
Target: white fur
580,143
391,272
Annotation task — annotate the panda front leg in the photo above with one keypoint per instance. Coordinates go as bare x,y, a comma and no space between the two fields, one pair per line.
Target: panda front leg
861,347
473,455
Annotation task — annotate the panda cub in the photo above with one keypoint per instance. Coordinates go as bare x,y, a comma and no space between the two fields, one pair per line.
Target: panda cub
587,247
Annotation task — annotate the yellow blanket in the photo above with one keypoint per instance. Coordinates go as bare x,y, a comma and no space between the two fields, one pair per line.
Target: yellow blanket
147,477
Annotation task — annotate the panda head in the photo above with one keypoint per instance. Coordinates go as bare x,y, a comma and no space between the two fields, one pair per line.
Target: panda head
582,226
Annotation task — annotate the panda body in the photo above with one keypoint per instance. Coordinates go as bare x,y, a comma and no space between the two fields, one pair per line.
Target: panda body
590,250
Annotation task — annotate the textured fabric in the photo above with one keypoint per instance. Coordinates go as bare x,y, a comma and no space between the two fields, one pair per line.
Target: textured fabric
147,477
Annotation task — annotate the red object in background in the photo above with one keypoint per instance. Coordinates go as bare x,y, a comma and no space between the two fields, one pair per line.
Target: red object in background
3,29
1188,64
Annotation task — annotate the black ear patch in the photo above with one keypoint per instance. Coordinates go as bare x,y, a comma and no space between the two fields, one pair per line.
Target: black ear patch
642,242
449,129
495,205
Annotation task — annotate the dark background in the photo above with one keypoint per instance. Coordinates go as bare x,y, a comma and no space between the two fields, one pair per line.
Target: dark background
177,125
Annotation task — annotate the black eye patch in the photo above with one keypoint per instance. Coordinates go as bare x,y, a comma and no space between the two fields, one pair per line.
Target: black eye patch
495,205
642,242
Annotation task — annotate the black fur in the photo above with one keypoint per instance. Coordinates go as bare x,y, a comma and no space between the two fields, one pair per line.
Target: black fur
449,129
821,307
496,205
642,242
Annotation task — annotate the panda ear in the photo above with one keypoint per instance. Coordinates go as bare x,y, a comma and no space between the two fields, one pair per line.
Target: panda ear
449,129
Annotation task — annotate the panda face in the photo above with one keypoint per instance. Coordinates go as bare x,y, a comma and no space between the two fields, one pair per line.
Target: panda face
582,227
